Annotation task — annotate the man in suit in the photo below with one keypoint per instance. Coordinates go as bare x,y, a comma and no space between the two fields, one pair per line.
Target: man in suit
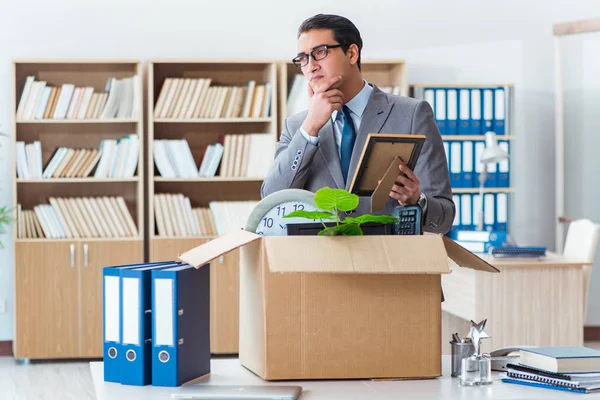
321,146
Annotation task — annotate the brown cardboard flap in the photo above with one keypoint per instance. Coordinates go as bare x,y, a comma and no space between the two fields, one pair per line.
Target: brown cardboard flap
357,254
465,258
215,248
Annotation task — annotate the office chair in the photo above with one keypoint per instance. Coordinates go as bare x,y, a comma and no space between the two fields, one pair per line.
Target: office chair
582,243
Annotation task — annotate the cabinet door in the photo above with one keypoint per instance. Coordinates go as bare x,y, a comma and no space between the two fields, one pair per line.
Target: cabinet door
95,255
47,300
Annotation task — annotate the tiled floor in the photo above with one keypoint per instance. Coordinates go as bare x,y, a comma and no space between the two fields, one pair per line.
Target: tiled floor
57,381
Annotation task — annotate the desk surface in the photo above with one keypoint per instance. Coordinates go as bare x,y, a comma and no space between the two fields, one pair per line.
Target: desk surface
230,372
551,260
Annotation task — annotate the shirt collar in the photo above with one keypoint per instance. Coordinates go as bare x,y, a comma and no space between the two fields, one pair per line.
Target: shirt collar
359,102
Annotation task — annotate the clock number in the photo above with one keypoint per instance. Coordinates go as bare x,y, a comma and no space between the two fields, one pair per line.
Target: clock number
298,207
280,211
268,222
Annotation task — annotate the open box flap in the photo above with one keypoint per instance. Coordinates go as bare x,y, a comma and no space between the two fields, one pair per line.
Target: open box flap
465,258
205,253
423,254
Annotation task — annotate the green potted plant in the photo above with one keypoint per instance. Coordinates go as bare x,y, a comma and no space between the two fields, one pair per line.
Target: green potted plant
330,202
5,212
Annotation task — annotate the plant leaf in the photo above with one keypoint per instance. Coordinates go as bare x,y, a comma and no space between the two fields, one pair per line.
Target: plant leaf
350,230
331,231
310,214
365,218
329,199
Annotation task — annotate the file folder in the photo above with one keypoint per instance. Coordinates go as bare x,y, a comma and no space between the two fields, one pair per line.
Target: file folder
440,110
467,163
455,164
488,110
111,318
499,111
477,211
476,112
180,324
501,212
479,147
492,172
452,114
489,211
429,96
466,212
136,330
503,175
464,114
457,219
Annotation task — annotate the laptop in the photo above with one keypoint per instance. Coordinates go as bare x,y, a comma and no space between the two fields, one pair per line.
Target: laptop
239,392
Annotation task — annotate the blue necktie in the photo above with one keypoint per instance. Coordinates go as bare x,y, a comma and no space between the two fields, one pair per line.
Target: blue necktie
348,138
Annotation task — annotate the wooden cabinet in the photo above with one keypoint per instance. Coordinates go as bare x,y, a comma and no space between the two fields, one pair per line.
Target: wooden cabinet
224,290
59,295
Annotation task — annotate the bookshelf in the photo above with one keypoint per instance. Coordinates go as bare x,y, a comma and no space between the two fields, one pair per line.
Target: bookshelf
463,119
386,74
203,102
93,219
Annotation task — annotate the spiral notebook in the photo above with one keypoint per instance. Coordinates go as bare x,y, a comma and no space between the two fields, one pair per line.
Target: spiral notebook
530,376
518,251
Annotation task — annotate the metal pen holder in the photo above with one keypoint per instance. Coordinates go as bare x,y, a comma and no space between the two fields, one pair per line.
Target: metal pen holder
460,350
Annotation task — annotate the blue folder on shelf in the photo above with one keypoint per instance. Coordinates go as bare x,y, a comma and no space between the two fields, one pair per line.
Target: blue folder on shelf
111,319
135,360
180,324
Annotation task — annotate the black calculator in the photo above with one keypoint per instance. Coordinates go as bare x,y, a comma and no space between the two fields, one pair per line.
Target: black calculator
410,221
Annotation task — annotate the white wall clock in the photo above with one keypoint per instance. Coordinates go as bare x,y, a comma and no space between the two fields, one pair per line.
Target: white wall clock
267,217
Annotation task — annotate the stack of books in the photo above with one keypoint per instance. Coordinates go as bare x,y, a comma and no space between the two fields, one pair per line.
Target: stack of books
570,368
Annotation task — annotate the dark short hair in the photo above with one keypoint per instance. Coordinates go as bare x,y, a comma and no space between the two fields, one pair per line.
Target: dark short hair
344,31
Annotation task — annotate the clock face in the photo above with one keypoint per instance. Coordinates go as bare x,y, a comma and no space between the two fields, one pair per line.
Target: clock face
267,218
273,222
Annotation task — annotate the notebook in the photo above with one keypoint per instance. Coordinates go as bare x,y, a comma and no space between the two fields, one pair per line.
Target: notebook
587,382
518,251
564,360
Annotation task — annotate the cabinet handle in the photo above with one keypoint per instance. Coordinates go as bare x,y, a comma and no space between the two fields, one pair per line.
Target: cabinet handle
72,255
85,255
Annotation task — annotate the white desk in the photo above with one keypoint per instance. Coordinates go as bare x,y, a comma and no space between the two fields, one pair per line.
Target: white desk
230,372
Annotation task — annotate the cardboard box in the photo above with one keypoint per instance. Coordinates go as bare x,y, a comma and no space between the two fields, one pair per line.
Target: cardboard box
345,307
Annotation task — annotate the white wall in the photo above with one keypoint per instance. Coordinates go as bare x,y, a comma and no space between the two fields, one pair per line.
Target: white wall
441,41
581,89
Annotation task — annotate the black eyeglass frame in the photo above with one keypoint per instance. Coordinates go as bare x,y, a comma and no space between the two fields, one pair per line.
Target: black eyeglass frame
326,47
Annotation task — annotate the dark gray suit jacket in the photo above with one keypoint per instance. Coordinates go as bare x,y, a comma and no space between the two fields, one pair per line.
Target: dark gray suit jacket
299,164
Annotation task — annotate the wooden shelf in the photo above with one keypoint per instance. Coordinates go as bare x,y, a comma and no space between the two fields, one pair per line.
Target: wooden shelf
214,179
78,121
213,120
80,180
204,237
485,190
58,281
97,239
475,137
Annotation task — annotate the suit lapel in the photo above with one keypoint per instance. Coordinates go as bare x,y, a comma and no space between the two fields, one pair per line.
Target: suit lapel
329,149
375,114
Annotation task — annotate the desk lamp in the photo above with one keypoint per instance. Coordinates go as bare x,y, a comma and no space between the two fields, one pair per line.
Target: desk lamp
491,154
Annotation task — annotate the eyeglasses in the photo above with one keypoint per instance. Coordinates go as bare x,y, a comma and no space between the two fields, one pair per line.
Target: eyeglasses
318,53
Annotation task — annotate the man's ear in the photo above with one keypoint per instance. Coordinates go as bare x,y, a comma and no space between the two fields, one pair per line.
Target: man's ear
353,53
